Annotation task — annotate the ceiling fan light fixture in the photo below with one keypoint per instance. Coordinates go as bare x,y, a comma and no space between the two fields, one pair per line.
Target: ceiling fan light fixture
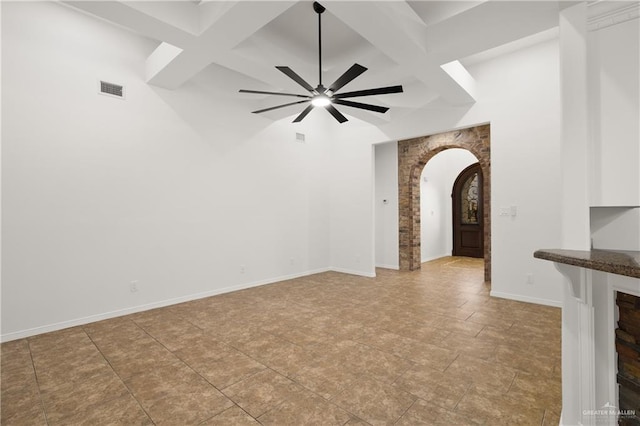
320,100
321,96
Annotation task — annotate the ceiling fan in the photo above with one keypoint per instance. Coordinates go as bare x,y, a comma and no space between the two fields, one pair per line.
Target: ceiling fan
326,96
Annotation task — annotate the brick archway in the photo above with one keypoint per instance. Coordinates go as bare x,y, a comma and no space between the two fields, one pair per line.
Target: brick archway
413,155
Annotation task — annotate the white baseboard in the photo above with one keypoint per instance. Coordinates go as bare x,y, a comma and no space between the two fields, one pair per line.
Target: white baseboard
429,259
354,272
520,298
140,308
394,267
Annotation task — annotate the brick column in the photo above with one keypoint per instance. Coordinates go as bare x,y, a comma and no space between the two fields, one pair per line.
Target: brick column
413,155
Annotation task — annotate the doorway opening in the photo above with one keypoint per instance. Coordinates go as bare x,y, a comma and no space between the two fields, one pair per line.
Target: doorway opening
467,212
413,155
436,202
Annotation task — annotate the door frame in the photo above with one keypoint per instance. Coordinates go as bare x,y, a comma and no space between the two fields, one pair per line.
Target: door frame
456,208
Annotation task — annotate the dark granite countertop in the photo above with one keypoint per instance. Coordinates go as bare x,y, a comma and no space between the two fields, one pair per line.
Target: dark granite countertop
613,261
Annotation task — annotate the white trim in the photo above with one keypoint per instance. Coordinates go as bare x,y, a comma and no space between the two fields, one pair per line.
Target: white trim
429,259
604,14
140,308
394,267
354,272
520,298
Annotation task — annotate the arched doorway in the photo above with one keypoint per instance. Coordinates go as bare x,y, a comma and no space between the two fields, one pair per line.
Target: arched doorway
436,203
467,213
413,154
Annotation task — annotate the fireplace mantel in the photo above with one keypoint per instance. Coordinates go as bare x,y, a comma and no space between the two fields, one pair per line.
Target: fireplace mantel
589,318
619,262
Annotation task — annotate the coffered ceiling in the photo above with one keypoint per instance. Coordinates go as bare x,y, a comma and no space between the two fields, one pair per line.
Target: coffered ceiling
400,42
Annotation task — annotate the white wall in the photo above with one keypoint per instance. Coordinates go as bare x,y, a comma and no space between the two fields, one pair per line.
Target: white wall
436,221
386,205
615,228
172,189
352,197
614,98
518,94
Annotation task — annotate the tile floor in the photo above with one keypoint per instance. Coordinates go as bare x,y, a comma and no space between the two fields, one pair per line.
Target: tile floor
405,348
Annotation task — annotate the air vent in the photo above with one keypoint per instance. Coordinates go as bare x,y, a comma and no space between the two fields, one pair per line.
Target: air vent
111,89
300,137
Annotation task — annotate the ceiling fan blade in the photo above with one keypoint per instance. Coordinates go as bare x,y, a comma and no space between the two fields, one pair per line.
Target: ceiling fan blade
279,106
369,92
369,107
336,114
303,114
260,92
350,74
295,77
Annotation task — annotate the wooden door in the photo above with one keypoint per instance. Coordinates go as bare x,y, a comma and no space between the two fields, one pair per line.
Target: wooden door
468,229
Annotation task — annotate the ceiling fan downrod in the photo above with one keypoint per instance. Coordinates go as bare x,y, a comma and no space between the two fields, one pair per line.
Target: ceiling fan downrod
319,9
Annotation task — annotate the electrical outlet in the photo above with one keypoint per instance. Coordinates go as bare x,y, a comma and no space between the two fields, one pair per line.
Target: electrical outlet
292,261
133,286
242,269
530,278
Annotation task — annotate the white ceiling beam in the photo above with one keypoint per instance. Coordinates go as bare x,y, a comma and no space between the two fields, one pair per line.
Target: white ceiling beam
135,20
488,25
180,14
402,40
217,40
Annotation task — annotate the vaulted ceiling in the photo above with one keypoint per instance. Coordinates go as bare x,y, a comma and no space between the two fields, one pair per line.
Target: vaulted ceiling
400,42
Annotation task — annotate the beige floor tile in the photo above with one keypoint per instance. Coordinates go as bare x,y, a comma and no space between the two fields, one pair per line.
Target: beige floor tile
486,405
175,394
474,346
467,369
377,364
430,355
289,359
326,378
68,365
262,346
62,402
424,413
305,408
433,386
24,415
140,358
124,411
235,416
537,391
21,405
374,402
432,340
16,375
527,361
202,350
70,337
232,368
262,391
551,418
174,333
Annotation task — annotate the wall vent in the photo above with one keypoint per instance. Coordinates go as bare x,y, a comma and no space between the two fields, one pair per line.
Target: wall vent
300,137
111,89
